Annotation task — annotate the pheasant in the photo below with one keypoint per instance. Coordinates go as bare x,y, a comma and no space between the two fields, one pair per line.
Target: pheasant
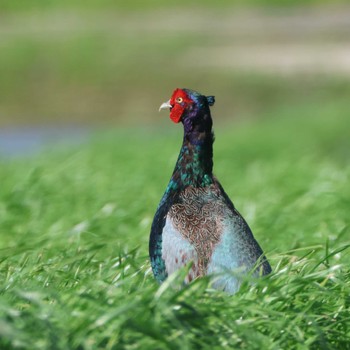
195,221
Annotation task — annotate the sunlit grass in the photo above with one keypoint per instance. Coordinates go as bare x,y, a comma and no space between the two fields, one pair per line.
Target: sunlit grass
74,229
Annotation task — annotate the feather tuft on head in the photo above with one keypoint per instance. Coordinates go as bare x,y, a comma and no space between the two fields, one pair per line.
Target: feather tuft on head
211,100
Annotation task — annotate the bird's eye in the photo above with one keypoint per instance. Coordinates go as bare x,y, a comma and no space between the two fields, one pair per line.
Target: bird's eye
179,99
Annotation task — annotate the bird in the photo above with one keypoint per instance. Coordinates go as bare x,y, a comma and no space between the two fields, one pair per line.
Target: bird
196,223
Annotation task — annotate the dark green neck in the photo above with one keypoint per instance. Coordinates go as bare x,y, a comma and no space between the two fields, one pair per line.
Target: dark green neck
195,162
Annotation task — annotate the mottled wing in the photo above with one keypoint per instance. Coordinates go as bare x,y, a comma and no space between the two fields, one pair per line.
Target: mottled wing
156,239
247,246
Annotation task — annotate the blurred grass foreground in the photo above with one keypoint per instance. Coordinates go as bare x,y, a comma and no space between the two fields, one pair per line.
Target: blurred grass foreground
75,220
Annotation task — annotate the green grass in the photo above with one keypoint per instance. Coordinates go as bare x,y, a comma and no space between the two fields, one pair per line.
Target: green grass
74,229
74,224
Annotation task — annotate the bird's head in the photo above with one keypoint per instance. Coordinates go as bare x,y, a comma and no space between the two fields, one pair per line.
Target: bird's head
188,106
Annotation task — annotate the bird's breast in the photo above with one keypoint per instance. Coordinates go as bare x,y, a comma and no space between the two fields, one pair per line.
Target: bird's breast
193,229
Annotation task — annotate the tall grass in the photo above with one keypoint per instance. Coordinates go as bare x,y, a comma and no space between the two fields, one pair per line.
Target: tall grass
74,229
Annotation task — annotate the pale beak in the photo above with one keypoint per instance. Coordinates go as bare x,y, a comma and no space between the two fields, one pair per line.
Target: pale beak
165,105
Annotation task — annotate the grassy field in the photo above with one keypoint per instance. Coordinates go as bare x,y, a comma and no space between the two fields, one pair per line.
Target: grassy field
74,229
75,221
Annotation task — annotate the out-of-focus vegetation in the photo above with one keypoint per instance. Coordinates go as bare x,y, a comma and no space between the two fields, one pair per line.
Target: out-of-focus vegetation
68,62
152,5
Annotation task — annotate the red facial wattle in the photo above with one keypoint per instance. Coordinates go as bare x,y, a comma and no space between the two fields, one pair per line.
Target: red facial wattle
179,102
176,113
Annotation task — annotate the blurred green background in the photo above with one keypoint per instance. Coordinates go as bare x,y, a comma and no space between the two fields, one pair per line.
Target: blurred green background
114,62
